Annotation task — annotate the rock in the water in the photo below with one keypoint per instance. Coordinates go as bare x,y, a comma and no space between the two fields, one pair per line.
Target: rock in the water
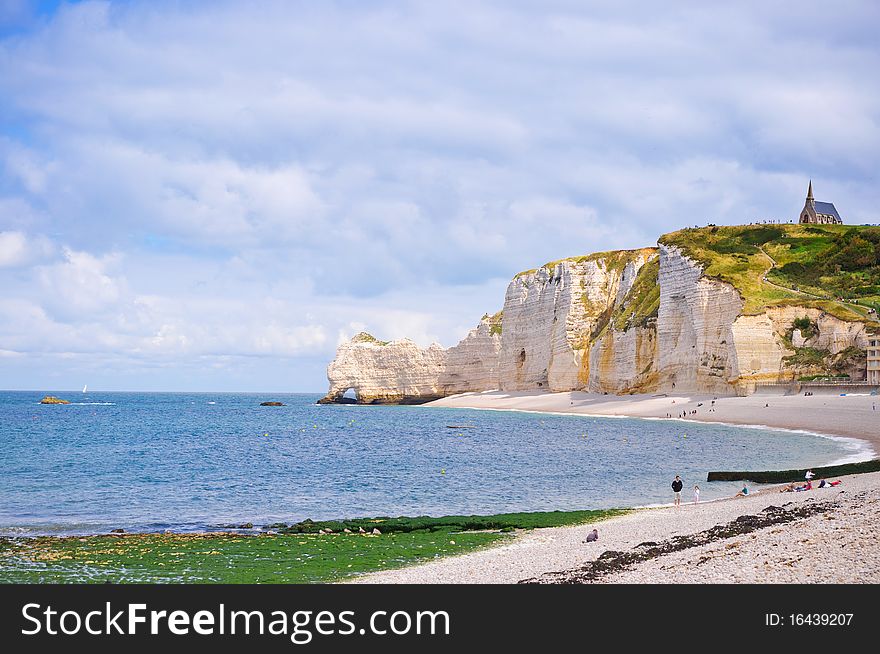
51,399
271,404
117,531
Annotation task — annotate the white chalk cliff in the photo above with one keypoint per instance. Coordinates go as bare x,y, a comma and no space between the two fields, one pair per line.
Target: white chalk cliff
630,321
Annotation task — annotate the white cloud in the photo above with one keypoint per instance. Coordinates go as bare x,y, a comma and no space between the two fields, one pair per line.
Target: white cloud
19,249
81,285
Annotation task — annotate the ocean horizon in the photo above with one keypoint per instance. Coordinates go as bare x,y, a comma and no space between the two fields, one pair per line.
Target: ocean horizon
203,461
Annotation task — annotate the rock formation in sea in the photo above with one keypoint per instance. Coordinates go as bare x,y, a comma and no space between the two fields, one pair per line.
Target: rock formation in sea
51,399
629,321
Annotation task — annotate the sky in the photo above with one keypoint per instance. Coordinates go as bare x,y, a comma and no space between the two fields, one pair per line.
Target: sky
211,196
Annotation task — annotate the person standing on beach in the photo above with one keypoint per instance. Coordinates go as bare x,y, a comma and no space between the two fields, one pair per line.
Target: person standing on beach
677,485
696,494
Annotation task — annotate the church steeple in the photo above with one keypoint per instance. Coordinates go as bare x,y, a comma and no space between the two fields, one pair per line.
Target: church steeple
810,192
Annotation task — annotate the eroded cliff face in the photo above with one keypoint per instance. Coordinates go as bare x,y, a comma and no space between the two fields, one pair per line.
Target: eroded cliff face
552,314
395,372
624,361
633,321
770,348
695,338
472,365
379,372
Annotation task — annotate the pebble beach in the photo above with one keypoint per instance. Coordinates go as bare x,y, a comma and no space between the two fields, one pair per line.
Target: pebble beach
838,544
825,535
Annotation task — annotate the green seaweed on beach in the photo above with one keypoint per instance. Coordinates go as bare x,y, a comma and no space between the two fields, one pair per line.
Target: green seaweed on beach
531,520
297,557
222,558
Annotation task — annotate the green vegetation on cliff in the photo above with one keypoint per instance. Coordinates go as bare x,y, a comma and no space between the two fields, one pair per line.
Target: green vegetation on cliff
494,322
835,268
364,337
642,302
613,260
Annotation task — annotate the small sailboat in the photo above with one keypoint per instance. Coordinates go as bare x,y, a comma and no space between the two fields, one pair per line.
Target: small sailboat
85,388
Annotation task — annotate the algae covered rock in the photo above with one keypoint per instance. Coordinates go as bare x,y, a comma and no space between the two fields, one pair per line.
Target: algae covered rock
51,399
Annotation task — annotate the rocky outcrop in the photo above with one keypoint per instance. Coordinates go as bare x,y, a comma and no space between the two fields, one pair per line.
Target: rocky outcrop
385,372
51,399
379,372
631,321
770,348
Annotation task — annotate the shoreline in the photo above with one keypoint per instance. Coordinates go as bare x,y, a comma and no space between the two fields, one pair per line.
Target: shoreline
850,418
786,547
865,446
791,549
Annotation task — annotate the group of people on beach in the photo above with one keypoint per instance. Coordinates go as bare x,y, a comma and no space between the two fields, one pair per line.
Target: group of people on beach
692,412
808,484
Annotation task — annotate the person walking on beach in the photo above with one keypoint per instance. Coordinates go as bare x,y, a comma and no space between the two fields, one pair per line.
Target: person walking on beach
696,494
677,485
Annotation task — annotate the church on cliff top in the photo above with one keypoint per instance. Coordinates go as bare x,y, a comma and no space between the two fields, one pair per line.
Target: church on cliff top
819,213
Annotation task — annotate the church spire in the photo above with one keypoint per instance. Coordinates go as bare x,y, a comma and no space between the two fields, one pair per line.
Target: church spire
810,191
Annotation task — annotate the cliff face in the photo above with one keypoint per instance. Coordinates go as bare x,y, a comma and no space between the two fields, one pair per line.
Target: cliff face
632,321
694,326
552,314
473,363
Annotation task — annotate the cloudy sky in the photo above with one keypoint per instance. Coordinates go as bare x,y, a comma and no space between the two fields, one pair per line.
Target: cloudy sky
210,196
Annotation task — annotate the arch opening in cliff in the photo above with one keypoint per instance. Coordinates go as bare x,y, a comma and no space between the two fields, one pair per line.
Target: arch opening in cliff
350,396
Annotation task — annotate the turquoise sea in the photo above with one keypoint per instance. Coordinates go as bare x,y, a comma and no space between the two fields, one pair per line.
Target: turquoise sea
186,461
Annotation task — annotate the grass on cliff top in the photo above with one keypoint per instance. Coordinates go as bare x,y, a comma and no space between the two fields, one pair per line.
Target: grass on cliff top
364,337
804,265
614,260
283,558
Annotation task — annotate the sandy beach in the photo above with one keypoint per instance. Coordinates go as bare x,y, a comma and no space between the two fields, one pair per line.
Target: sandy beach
827,535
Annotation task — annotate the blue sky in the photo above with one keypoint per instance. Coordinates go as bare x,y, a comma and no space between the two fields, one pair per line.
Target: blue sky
211,196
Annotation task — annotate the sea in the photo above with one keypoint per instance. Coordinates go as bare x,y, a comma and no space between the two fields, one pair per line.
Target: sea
210,461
